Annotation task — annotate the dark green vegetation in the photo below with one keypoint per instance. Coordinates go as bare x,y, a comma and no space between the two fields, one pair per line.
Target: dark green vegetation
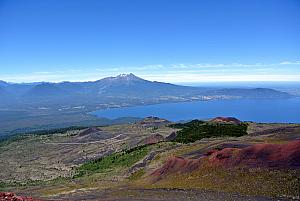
123,159
197,130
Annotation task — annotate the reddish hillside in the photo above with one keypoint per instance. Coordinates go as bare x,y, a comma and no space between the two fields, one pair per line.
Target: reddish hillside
260,155
153,139
12,197
231,120
177,165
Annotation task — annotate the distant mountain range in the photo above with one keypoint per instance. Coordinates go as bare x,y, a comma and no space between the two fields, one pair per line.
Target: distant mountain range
124,88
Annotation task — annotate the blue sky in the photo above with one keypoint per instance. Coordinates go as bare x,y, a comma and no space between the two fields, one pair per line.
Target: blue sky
165,40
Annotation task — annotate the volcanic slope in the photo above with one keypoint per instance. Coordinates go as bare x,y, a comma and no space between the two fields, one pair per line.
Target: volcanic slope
201,169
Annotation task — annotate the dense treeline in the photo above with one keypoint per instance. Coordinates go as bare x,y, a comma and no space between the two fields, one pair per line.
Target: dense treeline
16,137
57,130
188,124
196,130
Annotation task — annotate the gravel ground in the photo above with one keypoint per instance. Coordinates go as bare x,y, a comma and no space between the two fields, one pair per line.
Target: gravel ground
123,194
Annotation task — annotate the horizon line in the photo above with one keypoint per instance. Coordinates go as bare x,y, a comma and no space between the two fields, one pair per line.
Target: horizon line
156,80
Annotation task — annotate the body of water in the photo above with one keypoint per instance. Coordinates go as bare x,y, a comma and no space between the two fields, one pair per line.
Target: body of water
258,110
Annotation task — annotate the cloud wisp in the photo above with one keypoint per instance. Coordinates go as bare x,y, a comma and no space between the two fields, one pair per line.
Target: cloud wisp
201,72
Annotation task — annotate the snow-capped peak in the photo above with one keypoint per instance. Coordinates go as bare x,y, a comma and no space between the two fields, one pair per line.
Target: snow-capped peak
128,77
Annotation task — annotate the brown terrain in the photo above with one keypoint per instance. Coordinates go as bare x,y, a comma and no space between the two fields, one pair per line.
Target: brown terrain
153,139
262,165
175,164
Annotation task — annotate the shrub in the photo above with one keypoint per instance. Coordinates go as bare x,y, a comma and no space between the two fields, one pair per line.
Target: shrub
123,159
196,130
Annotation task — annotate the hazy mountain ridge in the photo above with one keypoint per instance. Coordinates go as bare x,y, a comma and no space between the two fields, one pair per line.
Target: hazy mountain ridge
122,87
2,83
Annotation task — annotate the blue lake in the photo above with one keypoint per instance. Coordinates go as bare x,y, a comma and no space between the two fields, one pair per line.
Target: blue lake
266,110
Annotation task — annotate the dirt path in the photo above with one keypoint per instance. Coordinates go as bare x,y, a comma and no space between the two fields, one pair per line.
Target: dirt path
122,194
106,142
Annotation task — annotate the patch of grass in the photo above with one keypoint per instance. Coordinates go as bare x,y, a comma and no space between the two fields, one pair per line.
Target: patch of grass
123,159
188,148
28,183
197,130
137,174
260,182
157,157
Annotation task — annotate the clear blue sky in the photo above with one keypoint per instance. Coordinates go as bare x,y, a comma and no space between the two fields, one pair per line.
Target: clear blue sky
166,40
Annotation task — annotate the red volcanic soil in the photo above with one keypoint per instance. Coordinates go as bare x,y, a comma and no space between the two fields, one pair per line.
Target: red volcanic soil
6,196
153,139
260,155
226,120
177,165
280,156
